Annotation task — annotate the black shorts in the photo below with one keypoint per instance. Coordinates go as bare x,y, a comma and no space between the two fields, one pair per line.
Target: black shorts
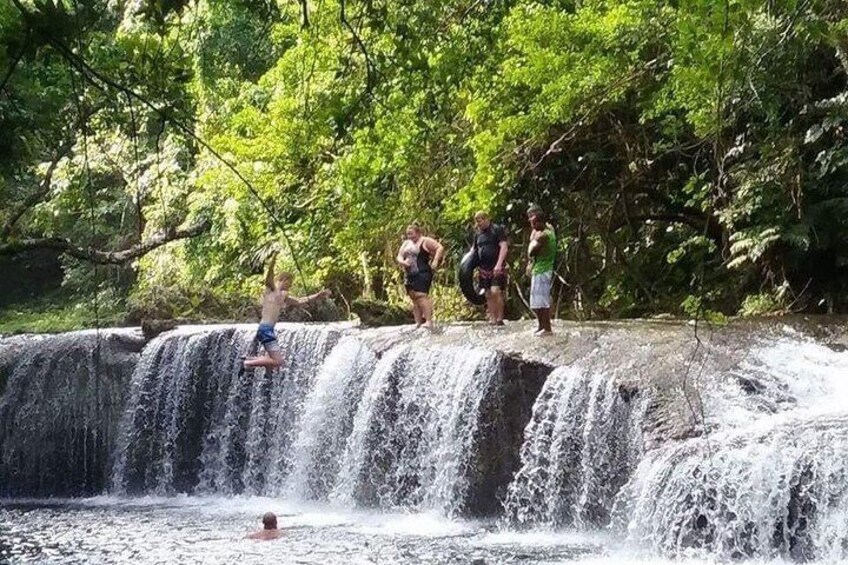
419,282
488,279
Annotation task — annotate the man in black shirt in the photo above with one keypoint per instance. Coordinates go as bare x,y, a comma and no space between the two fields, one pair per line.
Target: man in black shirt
491,248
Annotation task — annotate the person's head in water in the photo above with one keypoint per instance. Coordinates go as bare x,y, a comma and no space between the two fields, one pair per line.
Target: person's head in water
481,220
269,521
284,281
413,232
537,220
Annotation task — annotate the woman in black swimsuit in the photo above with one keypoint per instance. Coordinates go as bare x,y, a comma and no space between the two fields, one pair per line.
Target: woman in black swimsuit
419,256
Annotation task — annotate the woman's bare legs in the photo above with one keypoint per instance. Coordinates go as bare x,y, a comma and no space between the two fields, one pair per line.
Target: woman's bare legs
424,306
427,310
416,308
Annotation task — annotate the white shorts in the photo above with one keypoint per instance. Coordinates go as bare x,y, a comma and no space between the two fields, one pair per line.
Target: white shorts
540,291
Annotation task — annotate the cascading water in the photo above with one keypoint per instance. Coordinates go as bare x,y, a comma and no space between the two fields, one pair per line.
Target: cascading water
332,423
328,419
430,425
414,433
771,486
60,400
778,492
197,422
580,446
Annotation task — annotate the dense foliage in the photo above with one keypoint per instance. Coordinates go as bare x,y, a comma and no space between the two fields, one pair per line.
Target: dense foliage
692,154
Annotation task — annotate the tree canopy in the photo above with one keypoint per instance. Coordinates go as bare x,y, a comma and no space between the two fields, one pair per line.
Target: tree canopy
691,154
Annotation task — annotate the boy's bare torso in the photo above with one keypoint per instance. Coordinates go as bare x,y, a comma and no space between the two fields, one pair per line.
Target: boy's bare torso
273,302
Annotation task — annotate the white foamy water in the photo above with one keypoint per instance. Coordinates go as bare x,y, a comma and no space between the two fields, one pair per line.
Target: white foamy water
212,530
579,448
771,486
412,441
786,375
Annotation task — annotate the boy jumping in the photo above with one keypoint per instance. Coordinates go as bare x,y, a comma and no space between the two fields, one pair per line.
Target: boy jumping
274,299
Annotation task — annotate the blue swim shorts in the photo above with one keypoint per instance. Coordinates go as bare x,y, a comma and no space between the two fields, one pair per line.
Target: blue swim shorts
267,337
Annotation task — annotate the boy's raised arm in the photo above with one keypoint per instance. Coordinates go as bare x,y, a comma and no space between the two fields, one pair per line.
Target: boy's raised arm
269,274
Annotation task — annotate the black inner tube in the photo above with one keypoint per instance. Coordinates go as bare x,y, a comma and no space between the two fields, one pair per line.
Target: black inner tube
467,283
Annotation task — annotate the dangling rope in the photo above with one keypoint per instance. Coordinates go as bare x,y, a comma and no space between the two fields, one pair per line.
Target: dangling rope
79,101
700,313
137,172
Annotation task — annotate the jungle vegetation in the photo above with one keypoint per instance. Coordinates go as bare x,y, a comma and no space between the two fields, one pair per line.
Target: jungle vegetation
692,154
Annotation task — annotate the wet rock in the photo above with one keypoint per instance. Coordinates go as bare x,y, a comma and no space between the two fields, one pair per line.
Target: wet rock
61,397
152,328
318,311
376,313
505,413
750,384
627,392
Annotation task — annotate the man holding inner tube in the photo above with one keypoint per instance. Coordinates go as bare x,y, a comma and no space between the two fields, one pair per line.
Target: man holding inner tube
491,247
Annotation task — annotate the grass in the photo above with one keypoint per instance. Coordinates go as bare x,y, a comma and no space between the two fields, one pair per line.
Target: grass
56,314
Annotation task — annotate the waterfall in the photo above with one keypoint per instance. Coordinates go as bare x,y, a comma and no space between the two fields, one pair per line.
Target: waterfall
60,400
328,419
413,436
774,486
197,422
333,423
579,448
779,492
743,456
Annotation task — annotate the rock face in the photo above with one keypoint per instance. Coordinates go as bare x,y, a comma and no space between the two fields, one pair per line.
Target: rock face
374,313
60,400
723,440
506,414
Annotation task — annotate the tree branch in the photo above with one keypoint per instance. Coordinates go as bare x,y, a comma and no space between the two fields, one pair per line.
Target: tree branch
843,58
13,66
304,8
35,197
369,66
597,101
106,257
44,186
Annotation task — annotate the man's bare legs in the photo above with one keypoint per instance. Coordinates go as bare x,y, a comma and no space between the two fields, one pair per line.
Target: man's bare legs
495,305
490,306
543,317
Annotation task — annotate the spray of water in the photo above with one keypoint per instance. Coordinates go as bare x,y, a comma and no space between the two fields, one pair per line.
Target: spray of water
197,422
413,435
579,448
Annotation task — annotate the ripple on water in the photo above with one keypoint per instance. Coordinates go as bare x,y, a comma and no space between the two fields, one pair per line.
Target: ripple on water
211,531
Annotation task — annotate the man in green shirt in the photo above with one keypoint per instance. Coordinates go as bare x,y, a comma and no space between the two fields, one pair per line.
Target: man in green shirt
541,254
